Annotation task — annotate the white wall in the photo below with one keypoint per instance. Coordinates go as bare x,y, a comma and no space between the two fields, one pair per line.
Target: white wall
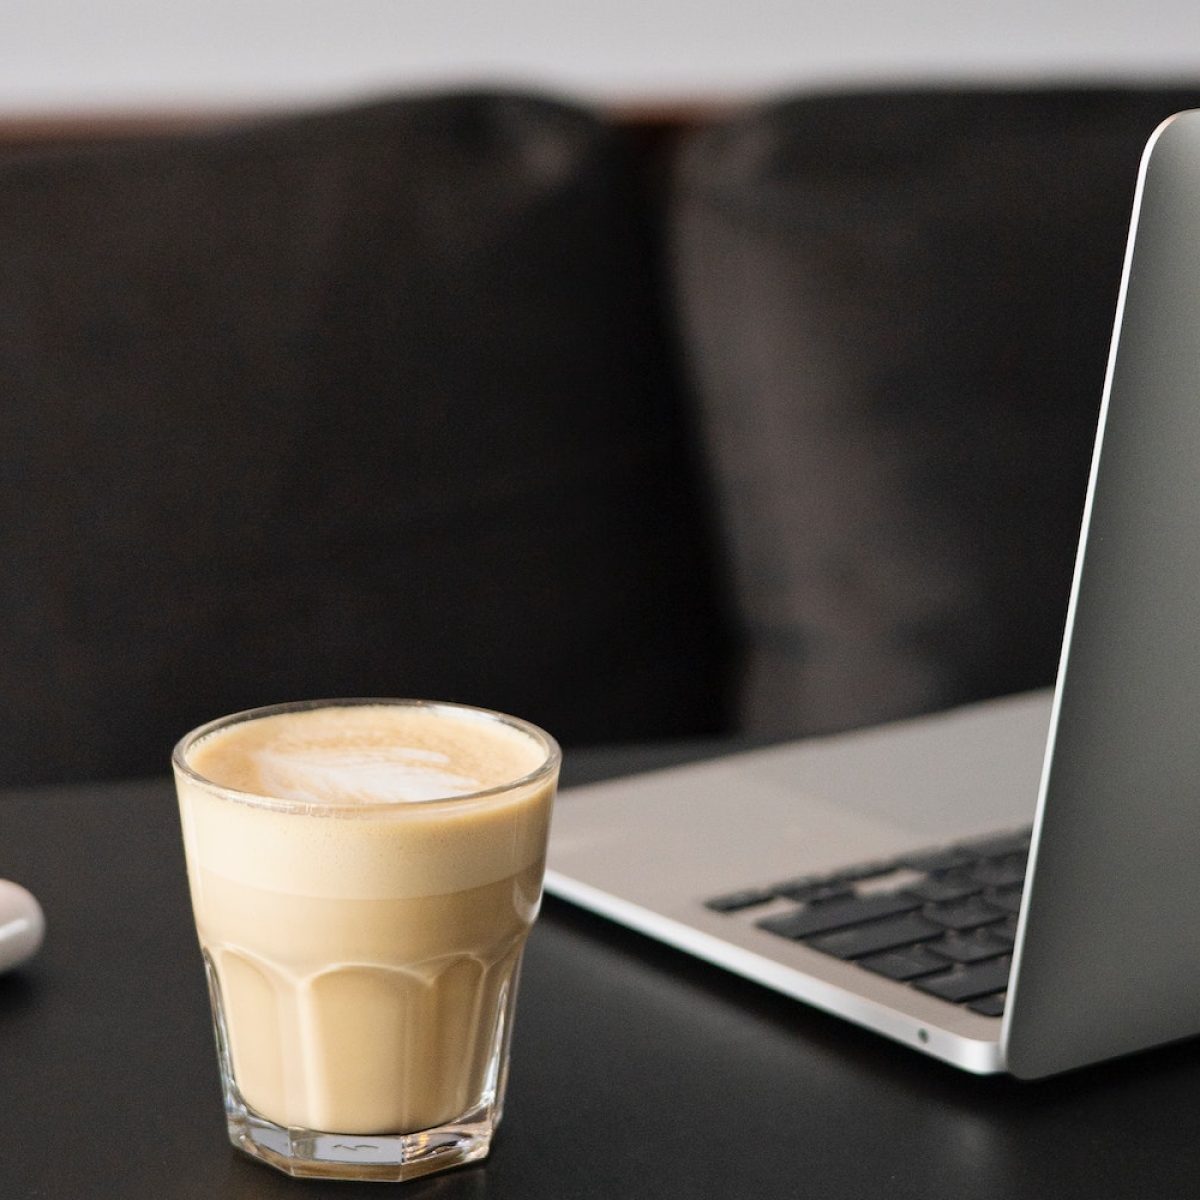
67,56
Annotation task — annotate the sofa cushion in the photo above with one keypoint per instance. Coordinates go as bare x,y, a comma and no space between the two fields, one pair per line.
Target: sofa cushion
367,402
897,310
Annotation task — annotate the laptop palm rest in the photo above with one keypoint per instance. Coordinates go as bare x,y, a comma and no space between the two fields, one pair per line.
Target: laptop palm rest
669,839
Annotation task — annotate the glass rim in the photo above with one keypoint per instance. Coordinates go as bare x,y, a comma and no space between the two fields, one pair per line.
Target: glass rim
543,771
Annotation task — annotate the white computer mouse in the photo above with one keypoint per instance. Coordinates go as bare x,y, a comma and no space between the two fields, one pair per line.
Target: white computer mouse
22,925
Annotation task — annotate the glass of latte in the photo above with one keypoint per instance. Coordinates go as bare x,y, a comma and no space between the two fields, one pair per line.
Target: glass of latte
363,875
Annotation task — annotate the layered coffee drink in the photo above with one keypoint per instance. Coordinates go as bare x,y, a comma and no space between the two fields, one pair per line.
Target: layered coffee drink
363,878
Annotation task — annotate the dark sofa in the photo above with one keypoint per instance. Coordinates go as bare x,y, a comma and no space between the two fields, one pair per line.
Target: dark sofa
774,426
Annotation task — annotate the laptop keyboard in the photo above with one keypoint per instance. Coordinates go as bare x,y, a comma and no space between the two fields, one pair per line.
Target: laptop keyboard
942,920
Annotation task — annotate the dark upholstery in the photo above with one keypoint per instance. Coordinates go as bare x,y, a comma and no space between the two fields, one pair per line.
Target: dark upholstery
897,309
390,401
364,403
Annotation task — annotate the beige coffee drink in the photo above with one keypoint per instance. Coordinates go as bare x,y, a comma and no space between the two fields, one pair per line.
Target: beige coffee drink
363,877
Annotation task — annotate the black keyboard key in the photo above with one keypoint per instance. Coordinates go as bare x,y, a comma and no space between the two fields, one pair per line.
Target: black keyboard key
952,885
1006,929
860,940
1001,872
1008,898
989,1006
795,887
946,859
907,962
976,946
819,893
1001,845
968,983
736,901
964,914
871,870
837,914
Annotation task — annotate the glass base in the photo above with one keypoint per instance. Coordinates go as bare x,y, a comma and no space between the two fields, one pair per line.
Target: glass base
388,1158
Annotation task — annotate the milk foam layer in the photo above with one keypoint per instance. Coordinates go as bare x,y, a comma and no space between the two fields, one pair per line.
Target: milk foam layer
341,764
366,754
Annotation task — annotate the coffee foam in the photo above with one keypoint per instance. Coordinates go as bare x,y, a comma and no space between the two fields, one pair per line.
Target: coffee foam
366,754
367,827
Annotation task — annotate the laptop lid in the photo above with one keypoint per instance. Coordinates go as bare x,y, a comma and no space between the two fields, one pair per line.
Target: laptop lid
1108,944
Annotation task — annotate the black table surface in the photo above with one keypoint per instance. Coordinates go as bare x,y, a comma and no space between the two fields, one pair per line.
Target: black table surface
637,1072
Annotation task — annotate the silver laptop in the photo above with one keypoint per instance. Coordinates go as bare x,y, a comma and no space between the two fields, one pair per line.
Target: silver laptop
1013,886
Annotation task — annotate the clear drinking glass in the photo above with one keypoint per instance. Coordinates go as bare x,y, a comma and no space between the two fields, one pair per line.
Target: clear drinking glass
362,954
